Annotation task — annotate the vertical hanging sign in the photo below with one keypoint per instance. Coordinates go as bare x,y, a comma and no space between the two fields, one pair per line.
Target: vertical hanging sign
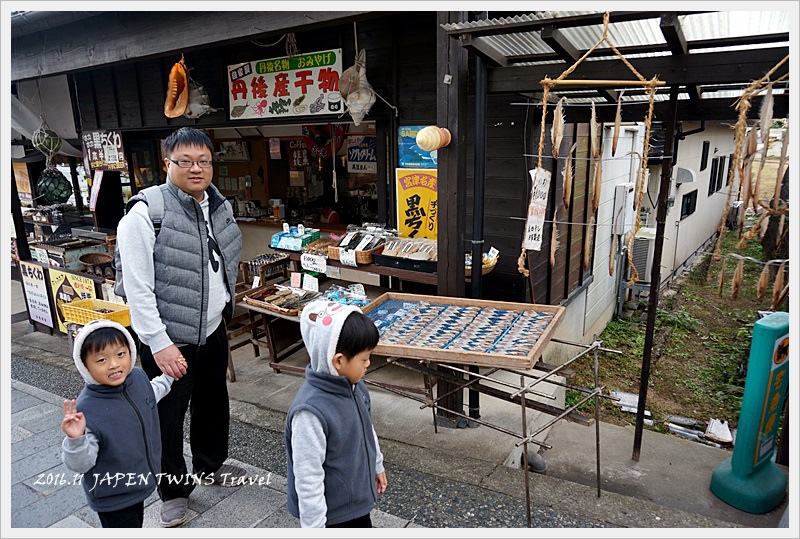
103,150
534,225
302,85
417,203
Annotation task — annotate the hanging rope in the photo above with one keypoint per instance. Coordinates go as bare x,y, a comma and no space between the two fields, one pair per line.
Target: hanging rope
650,86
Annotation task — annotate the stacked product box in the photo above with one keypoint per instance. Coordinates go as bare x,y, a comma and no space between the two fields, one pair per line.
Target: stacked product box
293,240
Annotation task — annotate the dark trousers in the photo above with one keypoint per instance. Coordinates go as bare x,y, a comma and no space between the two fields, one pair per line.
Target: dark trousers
360,522
128,517
205,389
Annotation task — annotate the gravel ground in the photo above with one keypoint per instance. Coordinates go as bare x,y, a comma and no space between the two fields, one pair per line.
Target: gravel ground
425,499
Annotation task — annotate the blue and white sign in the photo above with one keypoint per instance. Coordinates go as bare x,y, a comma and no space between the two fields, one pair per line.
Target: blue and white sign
361,154
409,154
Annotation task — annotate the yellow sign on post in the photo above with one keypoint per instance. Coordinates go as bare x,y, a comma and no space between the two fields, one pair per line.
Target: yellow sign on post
417,202
65,288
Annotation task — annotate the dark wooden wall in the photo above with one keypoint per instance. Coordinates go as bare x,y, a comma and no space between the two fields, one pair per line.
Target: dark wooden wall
401,66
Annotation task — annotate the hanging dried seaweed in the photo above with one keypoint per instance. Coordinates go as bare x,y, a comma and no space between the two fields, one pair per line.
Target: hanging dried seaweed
587,247
557,131
722,277
617,122
763,281
594,137
736,282
568,174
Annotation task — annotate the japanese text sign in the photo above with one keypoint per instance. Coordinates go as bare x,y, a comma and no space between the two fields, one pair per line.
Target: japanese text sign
303,85
103,150
361,154
36,293
67,287
534,225
417,203
409,154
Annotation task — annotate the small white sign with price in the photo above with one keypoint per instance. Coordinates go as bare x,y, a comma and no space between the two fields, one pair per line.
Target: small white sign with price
534,226
348,257
313,263
310,283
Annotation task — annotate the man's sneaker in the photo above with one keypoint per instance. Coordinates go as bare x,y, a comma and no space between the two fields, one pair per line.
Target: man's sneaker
229,475
173,512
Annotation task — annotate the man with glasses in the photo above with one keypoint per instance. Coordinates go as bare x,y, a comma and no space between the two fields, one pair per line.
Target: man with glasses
180,286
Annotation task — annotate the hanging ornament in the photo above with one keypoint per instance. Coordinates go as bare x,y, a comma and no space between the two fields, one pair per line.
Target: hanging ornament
46,141
177,90
53,186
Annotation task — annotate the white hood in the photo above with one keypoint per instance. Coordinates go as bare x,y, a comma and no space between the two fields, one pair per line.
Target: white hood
92,326
320,325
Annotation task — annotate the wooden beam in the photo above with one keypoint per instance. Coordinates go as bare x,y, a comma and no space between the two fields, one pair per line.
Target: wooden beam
485,51
708,68
673,33
121,36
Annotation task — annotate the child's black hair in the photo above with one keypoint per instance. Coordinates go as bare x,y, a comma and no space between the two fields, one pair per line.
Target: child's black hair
99,339
186,136
358,334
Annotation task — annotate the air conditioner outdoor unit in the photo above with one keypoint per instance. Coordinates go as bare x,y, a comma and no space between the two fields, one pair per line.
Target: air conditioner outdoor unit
643,249
624,216
684,175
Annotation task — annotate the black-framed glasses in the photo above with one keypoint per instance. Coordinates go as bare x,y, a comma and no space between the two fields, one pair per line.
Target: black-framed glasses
187,163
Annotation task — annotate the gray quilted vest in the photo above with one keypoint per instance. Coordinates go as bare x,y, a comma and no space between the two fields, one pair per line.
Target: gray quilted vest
181,261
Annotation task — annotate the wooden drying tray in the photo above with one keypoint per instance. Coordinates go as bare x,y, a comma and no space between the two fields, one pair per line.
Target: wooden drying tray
480,359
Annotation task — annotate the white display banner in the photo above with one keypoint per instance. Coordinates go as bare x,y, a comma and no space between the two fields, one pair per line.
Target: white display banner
303,85
36,293
534,225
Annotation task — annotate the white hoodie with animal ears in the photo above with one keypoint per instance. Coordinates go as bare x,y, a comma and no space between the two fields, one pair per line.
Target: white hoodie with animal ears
80,454
308,436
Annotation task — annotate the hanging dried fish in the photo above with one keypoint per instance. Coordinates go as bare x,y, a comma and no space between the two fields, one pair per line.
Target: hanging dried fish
722,277
751,144
766,118
598,183
617,121
594,137
781,224
763,228
757,187
557,131
587,247
736,282
781,169
763,280
745,189
568,174
612,257
553,244
777,288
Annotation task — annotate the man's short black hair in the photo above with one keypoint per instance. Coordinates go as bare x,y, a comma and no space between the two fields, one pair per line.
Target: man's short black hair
99,339
186,136
358,334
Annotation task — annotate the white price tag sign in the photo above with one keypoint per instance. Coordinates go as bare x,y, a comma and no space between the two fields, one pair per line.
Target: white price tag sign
256,281
310,283
286,227
493,253
296,277
361,246
311,262
347,239
348,257
333,272
301,229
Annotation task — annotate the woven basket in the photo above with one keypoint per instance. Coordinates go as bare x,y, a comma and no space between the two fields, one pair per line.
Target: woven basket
83,311
362,257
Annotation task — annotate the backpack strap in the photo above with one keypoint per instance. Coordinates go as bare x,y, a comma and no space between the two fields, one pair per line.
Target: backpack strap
153,197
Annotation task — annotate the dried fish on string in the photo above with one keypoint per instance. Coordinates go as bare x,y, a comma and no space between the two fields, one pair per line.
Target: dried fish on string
557,131
568,174
612,257
736,282
777,288
763,280
553,244
722,277
617,122
594,137
781,224
587,247
598,183
766,118
781,169
746,180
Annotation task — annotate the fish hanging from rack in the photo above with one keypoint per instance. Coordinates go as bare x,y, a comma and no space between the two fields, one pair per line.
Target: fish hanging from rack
736,282
198,101
553,243
587,248
568,174
763,281
557,130
594,138
612,257
781,168
598,182
777,288
764,128
722,277
617,122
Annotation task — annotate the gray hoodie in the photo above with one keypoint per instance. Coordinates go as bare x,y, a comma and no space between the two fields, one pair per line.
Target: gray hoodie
307,443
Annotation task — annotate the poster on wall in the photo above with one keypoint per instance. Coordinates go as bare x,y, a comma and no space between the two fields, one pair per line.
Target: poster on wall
103,150
409,154
36,293
66,287
361,154
417,203
23,183
302,85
